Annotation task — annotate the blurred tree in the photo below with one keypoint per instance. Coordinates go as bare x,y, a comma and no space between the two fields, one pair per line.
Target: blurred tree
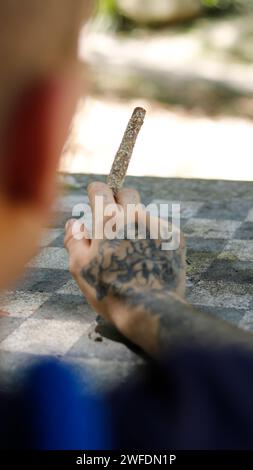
159,11
107,7
111,8
115,9
217,3
238,5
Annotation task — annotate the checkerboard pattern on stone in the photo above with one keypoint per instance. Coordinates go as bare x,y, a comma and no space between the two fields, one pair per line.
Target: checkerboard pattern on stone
48,315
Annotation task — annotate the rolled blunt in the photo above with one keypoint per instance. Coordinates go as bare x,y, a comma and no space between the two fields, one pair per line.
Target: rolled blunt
122,159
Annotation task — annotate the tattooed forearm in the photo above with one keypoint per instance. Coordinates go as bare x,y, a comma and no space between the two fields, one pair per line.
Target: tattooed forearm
180,325
147,284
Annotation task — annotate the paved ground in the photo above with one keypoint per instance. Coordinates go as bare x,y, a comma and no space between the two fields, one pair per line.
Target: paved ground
49,316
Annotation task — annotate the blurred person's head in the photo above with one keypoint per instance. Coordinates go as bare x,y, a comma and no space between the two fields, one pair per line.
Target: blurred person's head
39,77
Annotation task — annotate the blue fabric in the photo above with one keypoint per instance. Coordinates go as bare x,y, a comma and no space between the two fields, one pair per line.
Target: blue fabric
58,416
196,399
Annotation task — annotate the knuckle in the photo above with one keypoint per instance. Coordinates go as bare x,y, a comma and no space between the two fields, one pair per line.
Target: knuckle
130,194
97,186
135,195
125,191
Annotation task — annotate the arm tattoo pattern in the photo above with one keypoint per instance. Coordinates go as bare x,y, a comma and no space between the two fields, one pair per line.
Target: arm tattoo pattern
143,276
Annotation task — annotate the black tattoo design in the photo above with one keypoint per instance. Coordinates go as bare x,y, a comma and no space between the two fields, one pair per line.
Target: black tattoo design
181,325
146,278
123,267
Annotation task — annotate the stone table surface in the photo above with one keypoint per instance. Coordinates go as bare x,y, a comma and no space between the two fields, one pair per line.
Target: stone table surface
48,315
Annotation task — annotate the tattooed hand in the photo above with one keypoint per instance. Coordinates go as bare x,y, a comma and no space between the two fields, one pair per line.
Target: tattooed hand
113,274
139,287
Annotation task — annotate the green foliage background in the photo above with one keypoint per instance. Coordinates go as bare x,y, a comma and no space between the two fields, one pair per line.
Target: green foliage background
109,7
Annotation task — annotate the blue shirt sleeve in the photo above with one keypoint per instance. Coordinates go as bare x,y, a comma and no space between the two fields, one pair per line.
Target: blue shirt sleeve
54,413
